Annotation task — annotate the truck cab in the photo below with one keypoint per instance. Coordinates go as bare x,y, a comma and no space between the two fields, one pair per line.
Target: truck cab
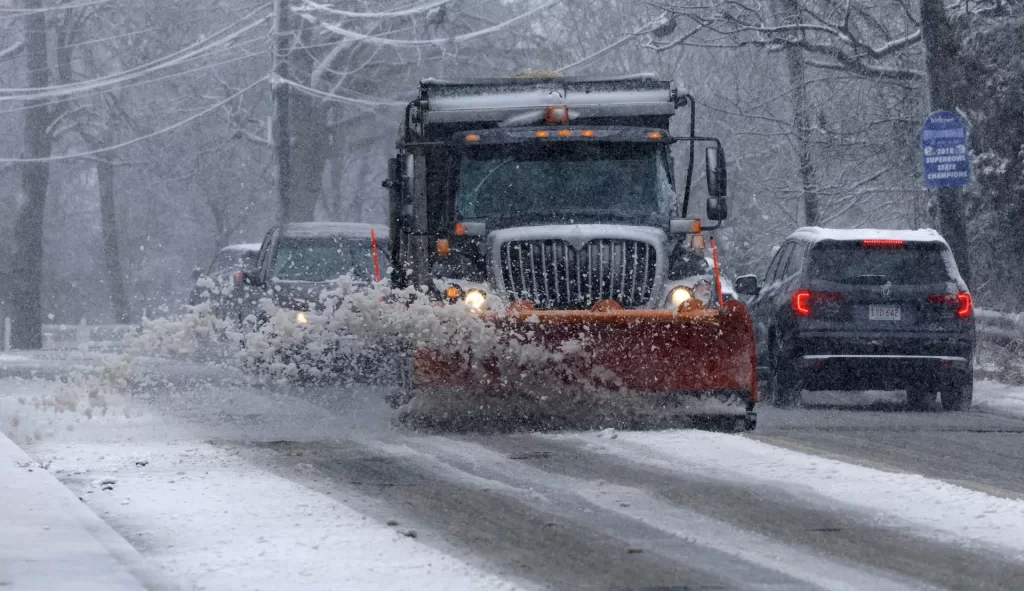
554,192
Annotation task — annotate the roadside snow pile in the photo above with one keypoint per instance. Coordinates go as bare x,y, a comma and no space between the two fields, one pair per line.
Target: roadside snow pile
36,409
989,395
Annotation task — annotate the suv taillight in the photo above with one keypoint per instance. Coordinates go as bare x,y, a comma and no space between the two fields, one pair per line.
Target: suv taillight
960,301
805,301
964,306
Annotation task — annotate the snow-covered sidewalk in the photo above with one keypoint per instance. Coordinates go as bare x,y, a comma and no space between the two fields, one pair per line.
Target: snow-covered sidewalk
50,540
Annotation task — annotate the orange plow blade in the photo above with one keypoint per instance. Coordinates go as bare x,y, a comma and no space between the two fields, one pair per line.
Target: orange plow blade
663,356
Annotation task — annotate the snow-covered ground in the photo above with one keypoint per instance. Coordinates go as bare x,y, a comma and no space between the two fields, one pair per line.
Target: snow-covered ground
903,501
215,515
214,521
994,396
209,519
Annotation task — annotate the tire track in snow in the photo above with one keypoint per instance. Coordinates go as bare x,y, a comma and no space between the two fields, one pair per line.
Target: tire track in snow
741,556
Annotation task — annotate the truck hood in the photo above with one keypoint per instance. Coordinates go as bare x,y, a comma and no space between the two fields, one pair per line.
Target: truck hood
579,234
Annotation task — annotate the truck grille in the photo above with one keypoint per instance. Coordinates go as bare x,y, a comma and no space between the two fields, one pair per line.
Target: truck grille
552,275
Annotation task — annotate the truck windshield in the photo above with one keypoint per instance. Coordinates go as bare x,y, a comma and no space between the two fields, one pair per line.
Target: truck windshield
326,259
565,182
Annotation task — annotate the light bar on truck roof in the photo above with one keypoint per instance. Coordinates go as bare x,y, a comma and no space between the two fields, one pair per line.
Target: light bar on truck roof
522,134
447,102
891,242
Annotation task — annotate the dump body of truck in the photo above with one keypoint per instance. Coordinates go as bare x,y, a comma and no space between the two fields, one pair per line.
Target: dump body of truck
550,208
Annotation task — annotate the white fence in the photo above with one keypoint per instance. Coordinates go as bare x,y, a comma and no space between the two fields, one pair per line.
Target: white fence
72,336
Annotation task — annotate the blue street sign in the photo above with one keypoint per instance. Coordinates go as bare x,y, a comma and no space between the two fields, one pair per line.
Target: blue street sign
947,161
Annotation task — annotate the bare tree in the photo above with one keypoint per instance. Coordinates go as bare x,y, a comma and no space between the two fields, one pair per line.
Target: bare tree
27,273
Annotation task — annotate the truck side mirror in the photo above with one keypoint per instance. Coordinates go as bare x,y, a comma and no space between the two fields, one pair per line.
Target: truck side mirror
251,277
714,164
717,209
747,285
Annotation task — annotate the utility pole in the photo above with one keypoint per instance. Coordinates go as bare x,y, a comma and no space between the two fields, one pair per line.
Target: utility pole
946,91
281,91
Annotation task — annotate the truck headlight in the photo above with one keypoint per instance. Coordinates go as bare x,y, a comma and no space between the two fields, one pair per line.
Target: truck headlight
301,318
680,295
476,299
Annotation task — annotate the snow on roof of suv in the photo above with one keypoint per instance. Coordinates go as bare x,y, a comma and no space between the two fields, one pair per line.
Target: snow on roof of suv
816,234
241,248
331,229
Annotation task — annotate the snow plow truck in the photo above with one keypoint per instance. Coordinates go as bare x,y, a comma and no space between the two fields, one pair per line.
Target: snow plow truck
550,208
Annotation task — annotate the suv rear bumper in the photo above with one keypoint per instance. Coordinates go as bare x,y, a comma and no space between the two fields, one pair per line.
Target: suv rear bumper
881,372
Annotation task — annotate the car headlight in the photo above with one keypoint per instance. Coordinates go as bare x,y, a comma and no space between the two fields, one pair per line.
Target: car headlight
476,299
680,295
301,318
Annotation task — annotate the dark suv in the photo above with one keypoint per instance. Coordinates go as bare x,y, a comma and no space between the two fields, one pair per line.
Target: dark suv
222,284
864,310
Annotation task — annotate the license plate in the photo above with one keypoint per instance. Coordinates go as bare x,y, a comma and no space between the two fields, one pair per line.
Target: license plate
891,313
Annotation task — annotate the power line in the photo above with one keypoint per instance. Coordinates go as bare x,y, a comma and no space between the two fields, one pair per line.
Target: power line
174,59
373,15
356,36
367,102
139,83
16,12
168,129
197,57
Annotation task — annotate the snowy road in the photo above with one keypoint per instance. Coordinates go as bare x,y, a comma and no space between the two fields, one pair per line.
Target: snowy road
225,486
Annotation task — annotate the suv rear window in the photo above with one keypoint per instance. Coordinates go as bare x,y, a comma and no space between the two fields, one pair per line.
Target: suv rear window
850,262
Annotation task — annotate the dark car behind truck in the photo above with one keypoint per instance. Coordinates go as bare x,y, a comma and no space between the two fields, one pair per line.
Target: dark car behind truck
864,310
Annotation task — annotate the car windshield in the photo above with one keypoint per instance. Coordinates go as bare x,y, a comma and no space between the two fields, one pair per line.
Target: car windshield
565,181
850,262
326,259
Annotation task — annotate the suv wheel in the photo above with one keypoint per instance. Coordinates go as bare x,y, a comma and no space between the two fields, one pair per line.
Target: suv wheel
784,381
920,398
958,396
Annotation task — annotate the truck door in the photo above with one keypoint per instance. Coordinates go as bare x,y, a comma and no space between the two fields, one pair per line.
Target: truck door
396,186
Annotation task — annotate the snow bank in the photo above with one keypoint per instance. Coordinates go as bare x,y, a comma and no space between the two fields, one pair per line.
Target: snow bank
999,397
35,409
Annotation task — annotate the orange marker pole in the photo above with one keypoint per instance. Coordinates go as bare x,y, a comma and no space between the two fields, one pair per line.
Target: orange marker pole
718,278
376,264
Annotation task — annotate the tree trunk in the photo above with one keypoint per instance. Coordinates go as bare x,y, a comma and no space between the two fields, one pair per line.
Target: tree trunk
787,12
111,252
946,79
26,332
